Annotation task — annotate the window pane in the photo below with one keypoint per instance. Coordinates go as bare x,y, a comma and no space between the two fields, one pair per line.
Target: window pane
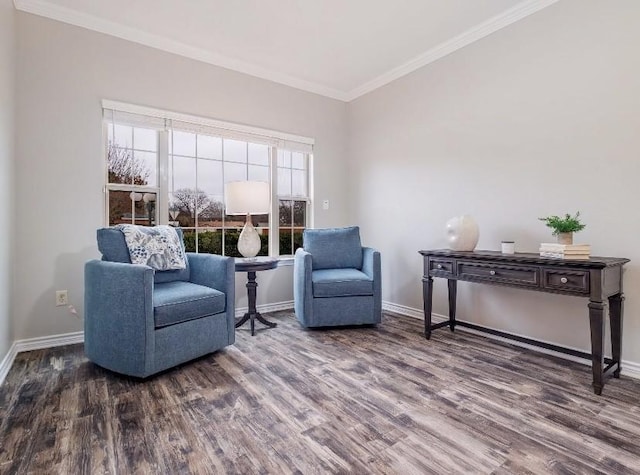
264,242
123,136
210,177
189,240
260,221
184,143
182,205
231,242
174,211
147,164
284,212
201,204
145,209
183,174
209,147
235,151
145,139
120,208
258,173
284,181
299,183
258,154
121,166
211,215
234,172
299,213
210,241
284,158
297,161
285,247
234,221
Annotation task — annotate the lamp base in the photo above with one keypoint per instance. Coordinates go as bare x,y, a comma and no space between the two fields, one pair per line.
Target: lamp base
249,241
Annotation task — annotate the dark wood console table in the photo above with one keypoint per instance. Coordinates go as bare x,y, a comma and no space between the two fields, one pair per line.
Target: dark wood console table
598,278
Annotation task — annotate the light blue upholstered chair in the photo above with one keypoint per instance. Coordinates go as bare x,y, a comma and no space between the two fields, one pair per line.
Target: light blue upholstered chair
336,280
139,321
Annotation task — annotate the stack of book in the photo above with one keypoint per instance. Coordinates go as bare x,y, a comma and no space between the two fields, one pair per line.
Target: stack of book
565,251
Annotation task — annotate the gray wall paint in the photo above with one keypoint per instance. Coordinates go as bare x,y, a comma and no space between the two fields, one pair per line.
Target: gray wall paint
7,118
539,118
64,72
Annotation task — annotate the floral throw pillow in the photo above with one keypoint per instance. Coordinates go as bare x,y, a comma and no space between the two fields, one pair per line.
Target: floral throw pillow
159,247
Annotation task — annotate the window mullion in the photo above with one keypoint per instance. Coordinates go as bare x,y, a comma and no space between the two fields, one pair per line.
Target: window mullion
163,183
274,219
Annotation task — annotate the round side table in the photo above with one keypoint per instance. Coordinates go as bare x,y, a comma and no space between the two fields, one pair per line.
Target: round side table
251,267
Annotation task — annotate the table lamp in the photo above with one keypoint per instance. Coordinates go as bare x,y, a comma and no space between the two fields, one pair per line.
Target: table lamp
248,197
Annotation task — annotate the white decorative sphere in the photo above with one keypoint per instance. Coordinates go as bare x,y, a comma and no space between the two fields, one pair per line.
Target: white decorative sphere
462,233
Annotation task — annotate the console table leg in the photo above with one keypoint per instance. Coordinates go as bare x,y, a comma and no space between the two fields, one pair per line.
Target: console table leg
453,292
616,308
427,298
596,321
252,285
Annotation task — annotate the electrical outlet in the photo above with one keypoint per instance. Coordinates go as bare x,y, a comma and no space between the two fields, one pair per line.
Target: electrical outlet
325,204
61,298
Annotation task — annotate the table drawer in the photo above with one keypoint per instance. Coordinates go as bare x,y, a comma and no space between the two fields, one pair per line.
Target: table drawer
442,267
495,272
569,280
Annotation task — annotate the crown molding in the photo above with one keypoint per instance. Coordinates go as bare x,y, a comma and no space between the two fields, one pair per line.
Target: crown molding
472,35
91,22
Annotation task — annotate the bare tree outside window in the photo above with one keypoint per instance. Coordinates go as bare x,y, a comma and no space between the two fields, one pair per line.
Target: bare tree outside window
124,167
190,200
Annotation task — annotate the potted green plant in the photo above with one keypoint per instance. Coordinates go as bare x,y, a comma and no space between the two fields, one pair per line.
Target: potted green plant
564,227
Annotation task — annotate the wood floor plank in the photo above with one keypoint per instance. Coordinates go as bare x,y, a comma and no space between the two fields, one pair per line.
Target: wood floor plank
374,400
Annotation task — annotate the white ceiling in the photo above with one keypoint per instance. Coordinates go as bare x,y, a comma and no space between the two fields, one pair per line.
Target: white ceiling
337,48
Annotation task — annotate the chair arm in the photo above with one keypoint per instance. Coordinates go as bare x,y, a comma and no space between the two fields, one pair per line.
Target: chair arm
118,322
217,272
371,263
212,270
302,285
371,266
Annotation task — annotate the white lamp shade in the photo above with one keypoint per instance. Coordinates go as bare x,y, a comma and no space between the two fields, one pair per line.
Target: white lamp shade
247,197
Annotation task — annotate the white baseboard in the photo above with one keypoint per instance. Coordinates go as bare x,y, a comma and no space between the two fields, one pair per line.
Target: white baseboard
42,342
7,362
627,368
631,369
402,310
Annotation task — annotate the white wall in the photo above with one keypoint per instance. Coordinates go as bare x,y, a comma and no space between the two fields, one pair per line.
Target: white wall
539,118
63,73
7,118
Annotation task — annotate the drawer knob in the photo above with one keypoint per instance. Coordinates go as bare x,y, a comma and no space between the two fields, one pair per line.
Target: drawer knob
439,266
492,272
564,280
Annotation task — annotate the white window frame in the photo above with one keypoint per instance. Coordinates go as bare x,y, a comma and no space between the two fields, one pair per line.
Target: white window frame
277,140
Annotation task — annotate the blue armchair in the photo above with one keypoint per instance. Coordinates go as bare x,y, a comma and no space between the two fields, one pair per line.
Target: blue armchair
139,321
336,280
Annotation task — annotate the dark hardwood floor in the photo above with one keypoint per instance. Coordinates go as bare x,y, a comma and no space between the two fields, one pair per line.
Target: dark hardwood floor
369,400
